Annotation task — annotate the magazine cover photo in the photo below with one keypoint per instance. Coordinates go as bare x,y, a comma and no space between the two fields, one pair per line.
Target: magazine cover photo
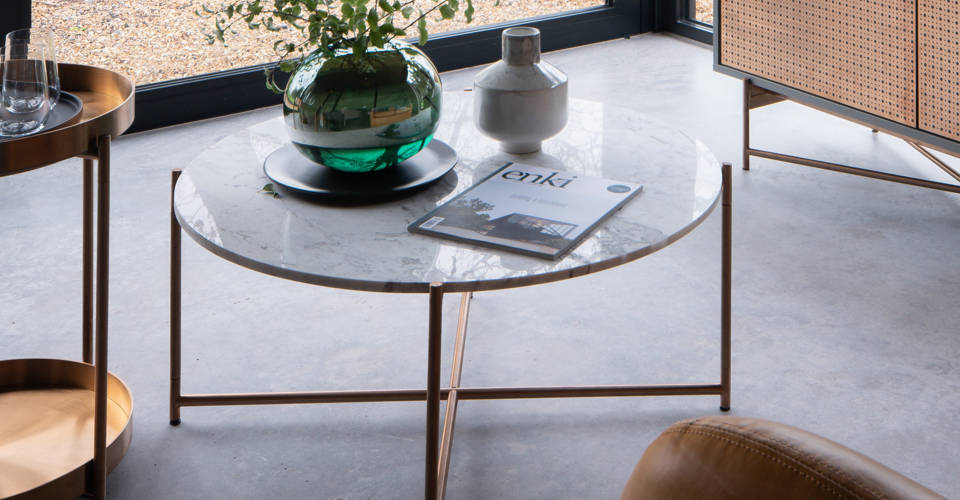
527,208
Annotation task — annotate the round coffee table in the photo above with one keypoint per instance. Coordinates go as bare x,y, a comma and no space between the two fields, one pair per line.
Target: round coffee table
220,202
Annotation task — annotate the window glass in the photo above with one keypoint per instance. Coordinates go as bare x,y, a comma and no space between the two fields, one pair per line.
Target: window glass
703,11
157,40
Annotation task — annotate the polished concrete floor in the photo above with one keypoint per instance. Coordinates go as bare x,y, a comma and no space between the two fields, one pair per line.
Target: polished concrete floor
844,318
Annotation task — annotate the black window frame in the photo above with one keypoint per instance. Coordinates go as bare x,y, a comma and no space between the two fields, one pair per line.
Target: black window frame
205,96
677,16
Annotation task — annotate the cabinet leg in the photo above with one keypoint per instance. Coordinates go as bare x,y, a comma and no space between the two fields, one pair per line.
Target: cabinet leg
725,285
174,307
103,272
433,391
87,216
746,124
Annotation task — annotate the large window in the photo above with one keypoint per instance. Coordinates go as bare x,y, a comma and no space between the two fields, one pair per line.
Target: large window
159,44
162,40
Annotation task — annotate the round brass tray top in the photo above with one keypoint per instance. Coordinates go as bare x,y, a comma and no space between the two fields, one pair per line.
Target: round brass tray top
108,104
46,432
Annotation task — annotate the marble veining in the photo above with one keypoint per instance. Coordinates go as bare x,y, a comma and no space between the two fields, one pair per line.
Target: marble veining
220,203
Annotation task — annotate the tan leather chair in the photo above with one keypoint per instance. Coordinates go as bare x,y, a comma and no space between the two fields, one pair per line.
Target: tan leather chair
725,457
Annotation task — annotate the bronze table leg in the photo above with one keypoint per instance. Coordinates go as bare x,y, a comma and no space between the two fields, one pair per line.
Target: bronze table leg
725,285
175,306
103,272
433,390
87,215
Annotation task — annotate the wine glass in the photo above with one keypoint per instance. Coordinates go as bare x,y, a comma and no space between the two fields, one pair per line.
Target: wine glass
34,40
24,93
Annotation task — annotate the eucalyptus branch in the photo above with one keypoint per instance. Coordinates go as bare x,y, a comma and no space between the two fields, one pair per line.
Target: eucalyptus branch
328,25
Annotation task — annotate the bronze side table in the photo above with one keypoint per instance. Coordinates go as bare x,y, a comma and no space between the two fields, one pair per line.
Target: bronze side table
66,424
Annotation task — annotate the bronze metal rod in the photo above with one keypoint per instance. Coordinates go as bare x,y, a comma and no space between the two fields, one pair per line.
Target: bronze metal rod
446,443
725,286
434,334
457,366
747,85
450,416
936,161
855,171
468,393
99,483
87,223
280,398
175,305
463,393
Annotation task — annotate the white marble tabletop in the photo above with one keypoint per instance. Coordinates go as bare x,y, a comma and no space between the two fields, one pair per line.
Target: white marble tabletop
219,202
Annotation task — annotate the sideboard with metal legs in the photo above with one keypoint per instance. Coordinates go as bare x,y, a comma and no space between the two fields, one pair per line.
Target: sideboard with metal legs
211,201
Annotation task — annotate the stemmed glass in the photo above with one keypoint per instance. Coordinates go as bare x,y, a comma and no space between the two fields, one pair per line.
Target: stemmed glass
36,41
24,95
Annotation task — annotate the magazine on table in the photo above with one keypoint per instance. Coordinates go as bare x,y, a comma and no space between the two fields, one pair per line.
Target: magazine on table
528,209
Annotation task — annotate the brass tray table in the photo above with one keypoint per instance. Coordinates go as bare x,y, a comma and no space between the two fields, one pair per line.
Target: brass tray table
67,423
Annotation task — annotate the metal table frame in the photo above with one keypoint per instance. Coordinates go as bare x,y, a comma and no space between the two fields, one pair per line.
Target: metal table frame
755,96
439,445
88,136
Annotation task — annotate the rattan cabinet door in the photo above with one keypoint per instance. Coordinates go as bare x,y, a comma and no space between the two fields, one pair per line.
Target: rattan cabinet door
859,53
939,67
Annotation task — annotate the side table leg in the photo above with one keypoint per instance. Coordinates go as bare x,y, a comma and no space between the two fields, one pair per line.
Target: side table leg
99,483
87,217
174,306
725,285
433,391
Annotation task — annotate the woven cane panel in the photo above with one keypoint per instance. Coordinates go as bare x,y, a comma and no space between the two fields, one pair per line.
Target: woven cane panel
939,61
860,53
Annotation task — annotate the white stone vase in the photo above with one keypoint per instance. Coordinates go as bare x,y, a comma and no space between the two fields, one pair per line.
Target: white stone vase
520,100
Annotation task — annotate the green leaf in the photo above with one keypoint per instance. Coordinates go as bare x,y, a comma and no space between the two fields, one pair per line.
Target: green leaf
385,6
230,11
406,12
454,4
271,82
372,18
446,12
269,189
346,9
359,47
468,13
422,30
376,38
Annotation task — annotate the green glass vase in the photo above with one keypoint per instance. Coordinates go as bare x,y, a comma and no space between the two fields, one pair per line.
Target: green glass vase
363,113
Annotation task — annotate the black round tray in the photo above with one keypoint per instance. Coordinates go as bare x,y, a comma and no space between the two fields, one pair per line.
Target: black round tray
288,168
66,111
